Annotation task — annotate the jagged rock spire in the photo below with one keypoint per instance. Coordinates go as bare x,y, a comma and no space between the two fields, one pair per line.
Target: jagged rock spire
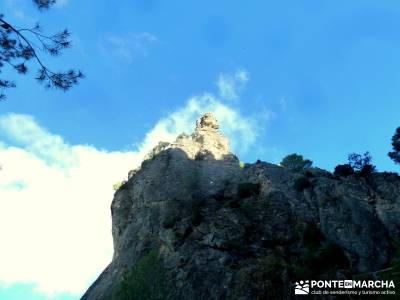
208,139
205,140
207,122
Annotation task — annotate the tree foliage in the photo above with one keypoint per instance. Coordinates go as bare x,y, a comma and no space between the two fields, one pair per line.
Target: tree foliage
343,170
44,4
395,154
296,162
362,164
19,46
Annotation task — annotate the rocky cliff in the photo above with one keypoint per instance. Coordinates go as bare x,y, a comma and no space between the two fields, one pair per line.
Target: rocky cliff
192,223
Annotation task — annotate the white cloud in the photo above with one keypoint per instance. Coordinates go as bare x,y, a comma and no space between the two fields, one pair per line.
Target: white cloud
241,131
22,16
230,85
55,224
38,141
61,3
131,46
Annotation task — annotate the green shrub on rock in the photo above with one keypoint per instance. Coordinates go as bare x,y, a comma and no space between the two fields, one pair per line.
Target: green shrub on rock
296,162
248,189
196,215
343,170
145,281
247,209
301,184
118,185
312,236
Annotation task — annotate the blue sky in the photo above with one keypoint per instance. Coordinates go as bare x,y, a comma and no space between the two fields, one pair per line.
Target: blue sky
320,79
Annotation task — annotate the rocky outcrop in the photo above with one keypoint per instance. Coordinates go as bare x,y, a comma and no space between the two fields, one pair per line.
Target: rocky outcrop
221,231
206,140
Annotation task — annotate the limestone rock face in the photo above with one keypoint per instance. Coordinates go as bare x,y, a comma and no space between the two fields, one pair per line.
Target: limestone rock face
206,140
226,232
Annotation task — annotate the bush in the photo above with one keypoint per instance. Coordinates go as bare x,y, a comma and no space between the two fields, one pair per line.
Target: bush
362,164
327,257
272,267
395,154
301,184
299,271
118,185
156,150
248,189
312,236
318,258
146,280
233,203
367,169
309,174
343,170
330,255
196,215
247,209
296,162
170,221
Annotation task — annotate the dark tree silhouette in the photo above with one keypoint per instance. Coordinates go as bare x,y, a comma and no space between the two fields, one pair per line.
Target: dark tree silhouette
18,46
296,162
395,154
362,164
343,170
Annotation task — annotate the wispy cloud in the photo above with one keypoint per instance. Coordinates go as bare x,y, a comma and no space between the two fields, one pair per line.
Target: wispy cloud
283,104
21,12
55,197
61,3
23,17
25,132
231,85
241,130
130,47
